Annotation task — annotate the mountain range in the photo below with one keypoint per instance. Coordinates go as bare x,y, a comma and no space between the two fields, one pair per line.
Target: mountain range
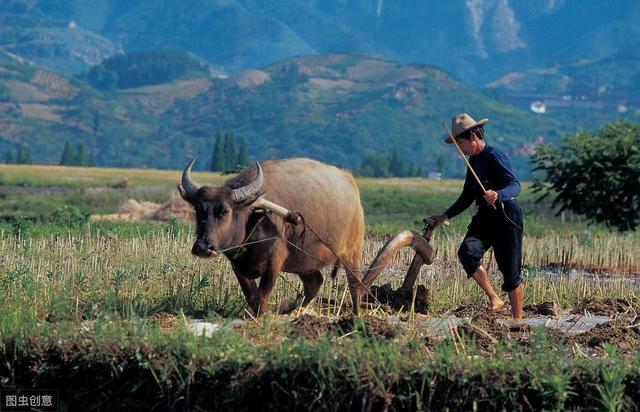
331,79
335,107
478,41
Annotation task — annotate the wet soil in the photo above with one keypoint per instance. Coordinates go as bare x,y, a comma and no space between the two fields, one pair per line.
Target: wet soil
312,327
486,330
632,270
473,309
542,309
619,332
607,307
402,300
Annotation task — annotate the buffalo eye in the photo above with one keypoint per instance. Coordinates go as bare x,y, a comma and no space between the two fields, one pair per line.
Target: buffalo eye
220,211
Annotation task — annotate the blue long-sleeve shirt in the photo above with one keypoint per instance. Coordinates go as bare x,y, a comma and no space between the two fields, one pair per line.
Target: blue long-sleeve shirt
494,170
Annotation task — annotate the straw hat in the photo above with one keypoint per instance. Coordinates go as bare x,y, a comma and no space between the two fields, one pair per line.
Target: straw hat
461,123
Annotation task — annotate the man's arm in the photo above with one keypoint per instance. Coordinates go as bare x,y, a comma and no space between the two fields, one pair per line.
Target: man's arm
503,169
465,199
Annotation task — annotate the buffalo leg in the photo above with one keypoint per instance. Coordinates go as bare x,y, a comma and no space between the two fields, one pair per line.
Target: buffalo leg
268,280
250,291
354,280
311,283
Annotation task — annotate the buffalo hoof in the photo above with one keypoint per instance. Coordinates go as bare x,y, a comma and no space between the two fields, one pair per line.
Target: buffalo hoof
288,306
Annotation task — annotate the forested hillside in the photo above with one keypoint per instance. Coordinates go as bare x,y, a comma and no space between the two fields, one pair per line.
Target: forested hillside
337,108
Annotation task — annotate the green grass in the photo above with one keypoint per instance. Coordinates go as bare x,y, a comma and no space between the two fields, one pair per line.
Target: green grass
124,364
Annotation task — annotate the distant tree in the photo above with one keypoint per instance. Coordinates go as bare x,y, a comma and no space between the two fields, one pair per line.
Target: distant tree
102,78
442,163
374,166
243,154
96,121
66,159
139,68
218,161
10,158
396,164
595,174
80,158
414,170
230,153
24,156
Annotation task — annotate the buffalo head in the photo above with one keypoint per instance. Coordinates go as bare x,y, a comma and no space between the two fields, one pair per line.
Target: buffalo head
222,213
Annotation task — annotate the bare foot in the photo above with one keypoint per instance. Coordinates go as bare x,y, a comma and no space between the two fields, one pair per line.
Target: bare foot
496,304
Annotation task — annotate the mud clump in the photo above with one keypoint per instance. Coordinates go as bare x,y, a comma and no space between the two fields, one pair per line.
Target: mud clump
487,331
469,310
543,309
312,327
619,332
607,307
372,326
403,300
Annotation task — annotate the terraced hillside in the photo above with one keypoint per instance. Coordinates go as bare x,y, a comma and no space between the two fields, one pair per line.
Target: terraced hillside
337,108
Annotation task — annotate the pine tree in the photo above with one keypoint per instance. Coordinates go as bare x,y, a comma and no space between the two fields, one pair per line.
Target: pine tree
396,164
230,154
80,158
24,157
10,159
20,157
218,163
66,159
414,171
243,155
28,160
442,162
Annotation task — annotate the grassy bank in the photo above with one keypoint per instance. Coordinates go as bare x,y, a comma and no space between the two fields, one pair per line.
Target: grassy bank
122,365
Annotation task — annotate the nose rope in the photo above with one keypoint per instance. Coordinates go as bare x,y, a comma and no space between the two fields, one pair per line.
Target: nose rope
248,243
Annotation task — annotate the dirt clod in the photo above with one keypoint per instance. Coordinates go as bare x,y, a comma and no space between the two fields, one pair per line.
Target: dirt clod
311,327
619,332
544,309
607,307
403,300
487,329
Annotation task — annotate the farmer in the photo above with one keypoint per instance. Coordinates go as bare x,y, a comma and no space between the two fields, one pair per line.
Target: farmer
497,222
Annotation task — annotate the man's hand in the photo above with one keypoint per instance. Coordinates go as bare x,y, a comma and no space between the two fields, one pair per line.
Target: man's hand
436,220
491,197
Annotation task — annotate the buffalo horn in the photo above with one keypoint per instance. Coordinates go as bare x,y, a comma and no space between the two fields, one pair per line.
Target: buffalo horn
251,190
189,187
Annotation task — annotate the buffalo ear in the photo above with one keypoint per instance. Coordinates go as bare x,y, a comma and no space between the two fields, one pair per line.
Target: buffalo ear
183,193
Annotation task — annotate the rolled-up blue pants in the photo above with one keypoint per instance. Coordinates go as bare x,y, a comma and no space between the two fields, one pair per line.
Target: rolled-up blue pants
490,228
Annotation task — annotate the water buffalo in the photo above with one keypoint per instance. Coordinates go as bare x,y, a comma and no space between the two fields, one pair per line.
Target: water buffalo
233,220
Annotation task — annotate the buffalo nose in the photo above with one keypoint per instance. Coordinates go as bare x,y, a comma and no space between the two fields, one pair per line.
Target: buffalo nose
203,249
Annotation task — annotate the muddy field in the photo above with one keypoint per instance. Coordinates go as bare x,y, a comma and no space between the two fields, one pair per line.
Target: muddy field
490,329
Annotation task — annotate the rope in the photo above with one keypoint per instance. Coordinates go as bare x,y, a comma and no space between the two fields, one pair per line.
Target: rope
509,219
349,271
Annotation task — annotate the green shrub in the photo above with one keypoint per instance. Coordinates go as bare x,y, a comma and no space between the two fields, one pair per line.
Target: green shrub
69,216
